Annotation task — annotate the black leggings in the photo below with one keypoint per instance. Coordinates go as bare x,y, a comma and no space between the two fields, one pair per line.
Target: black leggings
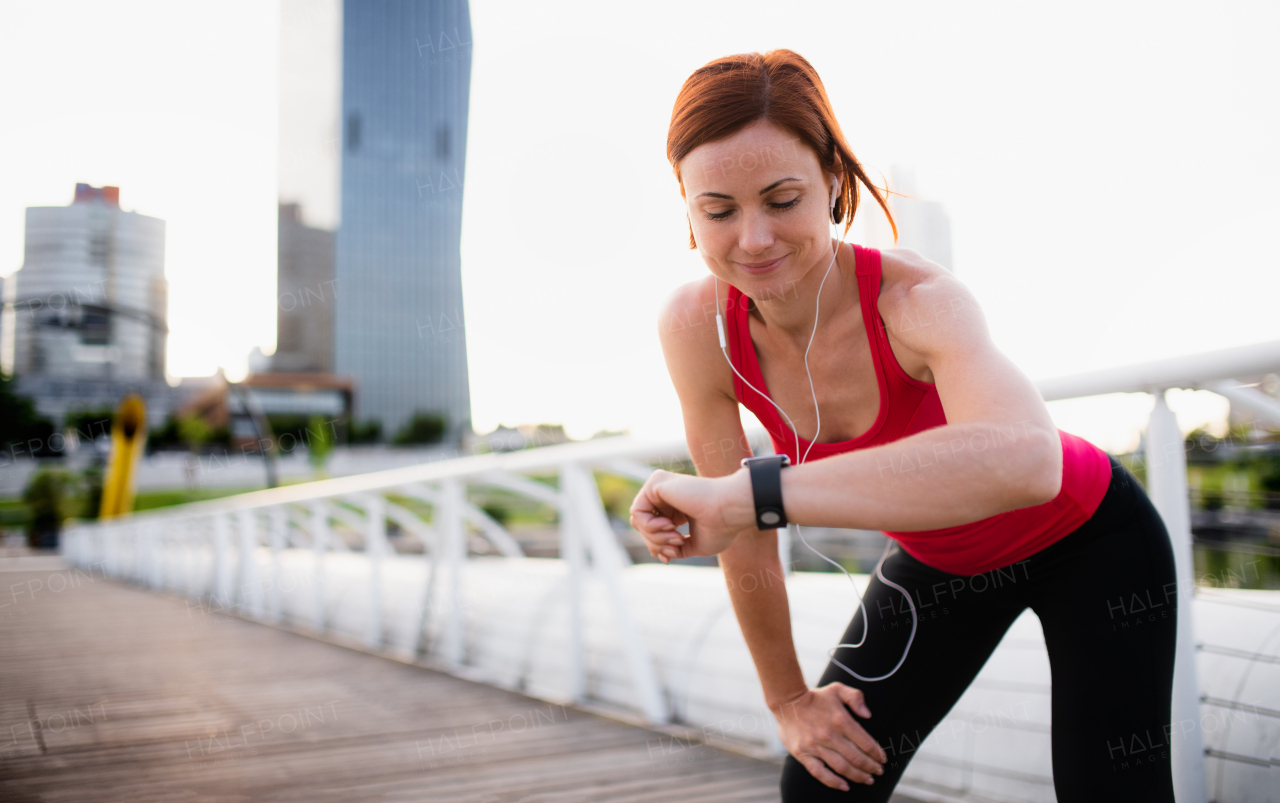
1106,596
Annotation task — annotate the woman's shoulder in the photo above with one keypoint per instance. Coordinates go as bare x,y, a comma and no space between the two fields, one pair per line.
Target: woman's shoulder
691,346
690,311
910,283
902,269
916,293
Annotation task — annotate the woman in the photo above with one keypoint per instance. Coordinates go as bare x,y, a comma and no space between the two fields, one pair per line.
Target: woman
898,414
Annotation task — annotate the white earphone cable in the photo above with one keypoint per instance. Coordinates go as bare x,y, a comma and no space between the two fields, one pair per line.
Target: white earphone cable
879,571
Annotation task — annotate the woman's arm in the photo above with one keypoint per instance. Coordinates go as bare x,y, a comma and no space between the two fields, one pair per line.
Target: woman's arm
713,429
717,443
1000,450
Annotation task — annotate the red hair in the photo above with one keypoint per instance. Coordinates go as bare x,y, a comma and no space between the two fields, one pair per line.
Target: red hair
726,95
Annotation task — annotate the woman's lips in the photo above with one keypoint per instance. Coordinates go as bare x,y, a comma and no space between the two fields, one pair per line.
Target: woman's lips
761,267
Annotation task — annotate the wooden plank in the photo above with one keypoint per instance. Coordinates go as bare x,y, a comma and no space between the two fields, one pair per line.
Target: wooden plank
108,692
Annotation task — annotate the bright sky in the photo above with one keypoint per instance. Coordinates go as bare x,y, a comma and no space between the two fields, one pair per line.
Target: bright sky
1109,170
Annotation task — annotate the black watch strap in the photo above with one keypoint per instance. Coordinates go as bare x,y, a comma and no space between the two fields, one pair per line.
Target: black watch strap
766,489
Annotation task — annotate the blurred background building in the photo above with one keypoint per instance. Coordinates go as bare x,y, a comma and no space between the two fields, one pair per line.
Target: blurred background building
399,330
923,225
90,306
305,295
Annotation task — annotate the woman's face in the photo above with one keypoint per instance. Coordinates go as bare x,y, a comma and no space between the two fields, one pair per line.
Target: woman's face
759,204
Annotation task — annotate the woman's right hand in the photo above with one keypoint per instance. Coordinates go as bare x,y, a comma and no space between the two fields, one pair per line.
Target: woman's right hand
716,510
818,731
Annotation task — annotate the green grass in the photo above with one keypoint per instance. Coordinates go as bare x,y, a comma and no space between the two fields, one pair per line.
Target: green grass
14,514
150,500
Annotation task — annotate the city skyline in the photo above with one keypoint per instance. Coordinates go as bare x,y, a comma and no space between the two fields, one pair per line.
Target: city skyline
1014,136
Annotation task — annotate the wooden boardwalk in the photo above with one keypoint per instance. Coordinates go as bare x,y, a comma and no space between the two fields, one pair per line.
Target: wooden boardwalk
110,693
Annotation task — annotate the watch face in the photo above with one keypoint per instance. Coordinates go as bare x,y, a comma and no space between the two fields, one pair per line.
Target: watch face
770,517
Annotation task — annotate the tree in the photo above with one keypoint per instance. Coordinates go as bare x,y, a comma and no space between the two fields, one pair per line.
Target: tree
319,442
422,428
366,432
48,496
194,431
90,424
22,429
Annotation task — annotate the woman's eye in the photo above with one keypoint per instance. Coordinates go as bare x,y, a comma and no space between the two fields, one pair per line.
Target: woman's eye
719,215
786,204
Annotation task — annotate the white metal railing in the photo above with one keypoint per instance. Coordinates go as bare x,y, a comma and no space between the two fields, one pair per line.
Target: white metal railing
235,528
221,542
1166,465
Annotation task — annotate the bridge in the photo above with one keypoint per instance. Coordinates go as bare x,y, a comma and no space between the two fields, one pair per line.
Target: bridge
583,677
124,695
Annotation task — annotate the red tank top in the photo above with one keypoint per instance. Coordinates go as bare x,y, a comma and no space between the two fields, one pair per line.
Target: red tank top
908,406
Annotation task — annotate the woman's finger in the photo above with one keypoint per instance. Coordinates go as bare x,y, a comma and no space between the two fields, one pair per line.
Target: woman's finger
649,498
842,765
819,770
862,741
859,753
853,698
852,729
649,522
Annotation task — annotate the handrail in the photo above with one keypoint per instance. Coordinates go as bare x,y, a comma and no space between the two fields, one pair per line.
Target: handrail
232,530
527,460
1192,371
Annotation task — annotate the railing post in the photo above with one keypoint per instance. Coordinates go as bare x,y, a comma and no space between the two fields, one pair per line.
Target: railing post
607,561
124,559
375,542
164,553
319,543
571,552
279,528
249,593
221,561
448,521
141,536
431,552
128,553
115,551
1167,486
103,544
155,536
121,538
143,551
432,548
189,556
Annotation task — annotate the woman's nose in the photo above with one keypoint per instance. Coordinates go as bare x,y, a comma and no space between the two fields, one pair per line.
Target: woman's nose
756,235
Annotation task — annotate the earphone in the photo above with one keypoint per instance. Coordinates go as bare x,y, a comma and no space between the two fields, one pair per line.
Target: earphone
879,570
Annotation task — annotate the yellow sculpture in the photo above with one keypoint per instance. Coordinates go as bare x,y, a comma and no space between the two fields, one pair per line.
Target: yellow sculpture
128,439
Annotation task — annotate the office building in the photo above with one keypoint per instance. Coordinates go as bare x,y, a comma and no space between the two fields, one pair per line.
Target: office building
90,305
305,295
399,330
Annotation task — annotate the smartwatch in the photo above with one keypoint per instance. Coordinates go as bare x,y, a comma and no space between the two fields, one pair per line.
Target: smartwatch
766,489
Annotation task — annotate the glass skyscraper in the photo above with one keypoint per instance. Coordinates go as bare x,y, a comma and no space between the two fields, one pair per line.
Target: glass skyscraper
399,329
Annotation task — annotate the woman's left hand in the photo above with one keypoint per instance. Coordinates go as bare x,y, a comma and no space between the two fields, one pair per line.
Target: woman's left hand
716,510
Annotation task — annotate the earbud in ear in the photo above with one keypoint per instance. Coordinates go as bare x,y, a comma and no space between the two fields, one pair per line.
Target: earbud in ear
835,194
